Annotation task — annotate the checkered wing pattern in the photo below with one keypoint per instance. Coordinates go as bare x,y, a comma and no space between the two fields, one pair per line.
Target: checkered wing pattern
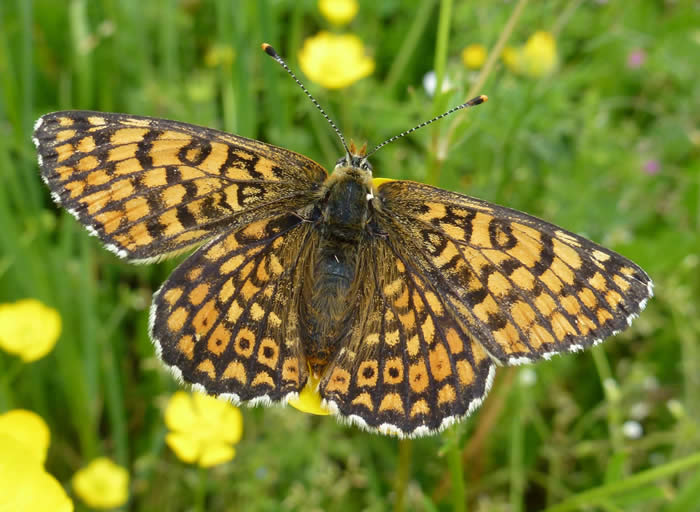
151,187
524,288
409,367
227,321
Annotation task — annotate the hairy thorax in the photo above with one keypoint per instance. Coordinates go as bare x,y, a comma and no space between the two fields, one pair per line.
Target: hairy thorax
330,287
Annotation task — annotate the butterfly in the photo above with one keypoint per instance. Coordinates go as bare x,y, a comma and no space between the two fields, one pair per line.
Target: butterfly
400,298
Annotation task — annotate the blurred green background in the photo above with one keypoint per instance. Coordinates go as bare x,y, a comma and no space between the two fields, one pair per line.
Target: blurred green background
605,144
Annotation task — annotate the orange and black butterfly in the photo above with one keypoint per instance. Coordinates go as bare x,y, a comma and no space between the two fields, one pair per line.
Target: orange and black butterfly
400,297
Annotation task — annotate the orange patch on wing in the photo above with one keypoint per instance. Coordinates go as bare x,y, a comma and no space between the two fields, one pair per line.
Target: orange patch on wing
420,408
454,341
588,298
177,318
465,372
236,371
171,295
538,336
418,377
207,367
338,381
365,400
446,394
199,293
523,314
219,339
264,378
186,347
392,402
290,370
561,326
205,317
509,339
440,367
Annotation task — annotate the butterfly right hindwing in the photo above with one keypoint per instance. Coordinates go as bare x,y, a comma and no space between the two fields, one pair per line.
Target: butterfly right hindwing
227,318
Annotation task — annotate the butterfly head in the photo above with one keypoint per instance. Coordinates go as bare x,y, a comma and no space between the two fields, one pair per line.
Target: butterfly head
354,162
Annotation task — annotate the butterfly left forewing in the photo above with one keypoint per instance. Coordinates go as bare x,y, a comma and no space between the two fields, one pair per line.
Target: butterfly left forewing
151,187
526,289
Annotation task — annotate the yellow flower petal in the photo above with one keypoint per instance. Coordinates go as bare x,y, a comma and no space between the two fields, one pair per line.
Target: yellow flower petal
221,417
335,61
474,56
203,428
338,12
186,446
102,484
540,54
180,414
214,454
512,58
24,484
28,329
28,428
309,400
219,55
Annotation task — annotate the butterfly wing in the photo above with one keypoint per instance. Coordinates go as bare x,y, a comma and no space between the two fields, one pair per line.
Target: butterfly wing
151,187
524,288
227,320
408,367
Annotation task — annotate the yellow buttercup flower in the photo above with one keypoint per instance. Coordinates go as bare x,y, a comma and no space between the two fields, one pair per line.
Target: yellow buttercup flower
474,56
203,428
338,12
309,400
540,54
220,55
335,61
536,58
512,59
102,484
28,329
24,483
29,429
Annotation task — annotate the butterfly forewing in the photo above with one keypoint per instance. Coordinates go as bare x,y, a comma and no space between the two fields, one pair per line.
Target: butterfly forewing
524,288
150,187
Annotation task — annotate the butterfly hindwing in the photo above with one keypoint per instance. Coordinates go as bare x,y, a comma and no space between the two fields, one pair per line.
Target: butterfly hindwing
524,288
408,367
226,319
151,187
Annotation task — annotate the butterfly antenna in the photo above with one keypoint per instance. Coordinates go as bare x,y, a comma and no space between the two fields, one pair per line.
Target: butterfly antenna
272,53
471,103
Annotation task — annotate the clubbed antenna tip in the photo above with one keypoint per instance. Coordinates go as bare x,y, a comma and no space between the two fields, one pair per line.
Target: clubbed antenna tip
471,103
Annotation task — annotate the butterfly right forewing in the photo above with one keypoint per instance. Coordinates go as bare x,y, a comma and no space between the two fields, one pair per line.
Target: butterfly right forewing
151,187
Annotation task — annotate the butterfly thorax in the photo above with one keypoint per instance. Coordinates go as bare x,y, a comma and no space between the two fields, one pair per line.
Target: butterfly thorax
343,214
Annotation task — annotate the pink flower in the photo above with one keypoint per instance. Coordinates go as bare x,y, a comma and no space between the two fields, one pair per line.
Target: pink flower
636,58
652,167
